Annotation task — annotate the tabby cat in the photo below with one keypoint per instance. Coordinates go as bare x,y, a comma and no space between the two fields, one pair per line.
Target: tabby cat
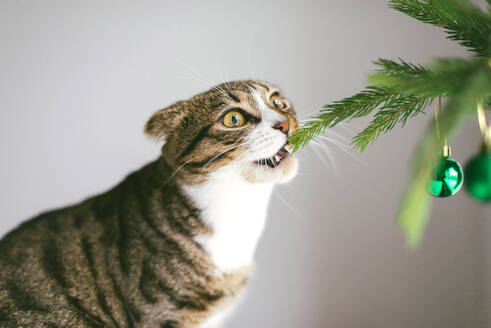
170,246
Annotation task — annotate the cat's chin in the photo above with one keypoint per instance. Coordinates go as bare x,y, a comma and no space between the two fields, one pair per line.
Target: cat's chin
282,172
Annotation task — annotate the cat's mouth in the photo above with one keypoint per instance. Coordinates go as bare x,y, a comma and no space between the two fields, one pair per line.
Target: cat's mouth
275,160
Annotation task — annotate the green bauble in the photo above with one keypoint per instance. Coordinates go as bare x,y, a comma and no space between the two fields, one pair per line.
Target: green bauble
447,178
478,177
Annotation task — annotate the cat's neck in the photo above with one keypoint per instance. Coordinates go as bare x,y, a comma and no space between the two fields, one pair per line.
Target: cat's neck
235,211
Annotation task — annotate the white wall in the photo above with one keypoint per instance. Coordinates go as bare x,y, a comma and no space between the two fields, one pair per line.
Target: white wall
79,78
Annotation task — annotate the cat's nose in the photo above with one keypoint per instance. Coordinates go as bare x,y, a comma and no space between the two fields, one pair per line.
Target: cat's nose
282,126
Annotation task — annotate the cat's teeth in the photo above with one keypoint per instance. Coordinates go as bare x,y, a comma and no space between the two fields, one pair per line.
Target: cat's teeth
277,158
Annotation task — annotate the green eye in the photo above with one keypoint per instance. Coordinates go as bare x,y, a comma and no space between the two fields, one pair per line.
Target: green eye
234,119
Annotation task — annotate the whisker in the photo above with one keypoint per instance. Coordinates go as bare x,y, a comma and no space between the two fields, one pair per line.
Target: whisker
223,152
343,147
307,115
288,205
306,152
176,171
316,148
338,135
205,79
209,85
239,157
198,74
324,149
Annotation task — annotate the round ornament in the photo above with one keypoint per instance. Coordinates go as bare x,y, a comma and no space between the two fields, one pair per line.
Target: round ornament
447,178
478,177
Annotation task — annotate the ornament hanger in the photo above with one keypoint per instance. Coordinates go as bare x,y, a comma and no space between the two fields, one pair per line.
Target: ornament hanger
447,152
485,129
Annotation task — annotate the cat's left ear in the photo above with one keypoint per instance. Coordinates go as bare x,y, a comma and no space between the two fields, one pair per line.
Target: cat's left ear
162,123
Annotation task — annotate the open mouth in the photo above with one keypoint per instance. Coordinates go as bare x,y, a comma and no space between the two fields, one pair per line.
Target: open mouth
275,160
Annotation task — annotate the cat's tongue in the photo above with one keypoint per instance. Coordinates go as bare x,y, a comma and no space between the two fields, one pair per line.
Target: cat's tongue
281,154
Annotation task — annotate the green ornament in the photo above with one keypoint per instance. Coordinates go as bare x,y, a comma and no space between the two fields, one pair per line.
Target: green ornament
478,177
447,178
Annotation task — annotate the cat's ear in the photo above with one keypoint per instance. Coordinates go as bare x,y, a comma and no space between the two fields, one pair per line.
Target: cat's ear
162,123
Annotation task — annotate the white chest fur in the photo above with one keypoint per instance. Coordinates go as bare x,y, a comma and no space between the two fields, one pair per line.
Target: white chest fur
235,210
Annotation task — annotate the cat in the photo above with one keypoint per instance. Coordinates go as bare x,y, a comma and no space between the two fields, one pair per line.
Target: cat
172,245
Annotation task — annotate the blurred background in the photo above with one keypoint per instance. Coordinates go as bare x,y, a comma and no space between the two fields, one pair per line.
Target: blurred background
80,78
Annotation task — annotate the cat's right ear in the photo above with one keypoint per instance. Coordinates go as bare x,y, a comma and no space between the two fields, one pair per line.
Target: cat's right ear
162,123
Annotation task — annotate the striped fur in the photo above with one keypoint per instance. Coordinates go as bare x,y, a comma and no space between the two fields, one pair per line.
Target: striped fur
134,256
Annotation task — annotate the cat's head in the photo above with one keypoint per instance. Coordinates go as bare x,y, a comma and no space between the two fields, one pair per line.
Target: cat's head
240,126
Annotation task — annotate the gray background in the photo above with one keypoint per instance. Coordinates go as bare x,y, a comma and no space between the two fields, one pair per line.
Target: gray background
79,78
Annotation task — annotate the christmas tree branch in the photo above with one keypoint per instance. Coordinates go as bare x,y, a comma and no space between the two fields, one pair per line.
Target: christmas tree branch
399,90
442,79
415,204
356,106
388,116
461,20
393,105
400,68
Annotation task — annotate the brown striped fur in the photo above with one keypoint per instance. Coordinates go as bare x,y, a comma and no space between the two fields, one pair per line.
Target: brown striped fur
127,257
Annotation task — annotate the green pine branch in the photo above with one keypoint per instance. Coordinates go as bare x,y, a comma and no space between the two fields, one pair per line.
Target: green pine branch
400,68
392,104
460,19
356,106
442,78
388,116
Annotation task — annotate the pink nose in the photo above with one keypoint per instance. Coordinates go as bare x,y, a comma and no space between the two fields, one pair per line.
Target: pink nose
283,127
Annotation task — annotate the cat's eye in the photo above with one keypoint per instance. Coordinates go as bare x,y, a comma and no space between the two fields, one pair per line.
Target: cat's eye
234,119
278,102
